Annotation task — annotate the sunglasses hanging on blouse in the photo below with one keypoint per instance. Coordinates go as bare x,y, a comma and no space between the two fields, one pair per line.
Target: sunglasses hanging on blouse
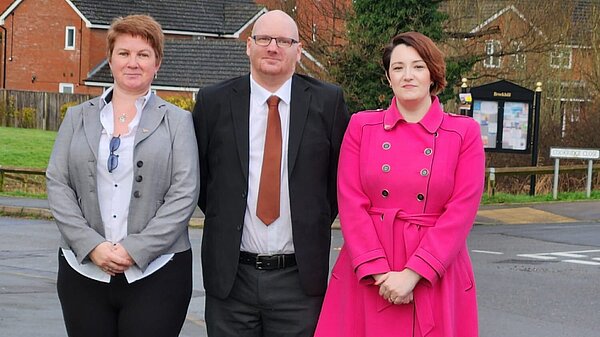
113,159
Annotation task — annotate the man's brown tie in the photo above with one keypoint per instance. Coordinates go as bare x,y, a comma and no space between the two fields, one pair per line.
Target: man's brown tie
267,208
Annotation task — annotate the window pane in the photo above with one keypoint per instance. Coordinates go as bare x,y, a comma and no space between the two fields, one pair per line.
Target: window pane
70,38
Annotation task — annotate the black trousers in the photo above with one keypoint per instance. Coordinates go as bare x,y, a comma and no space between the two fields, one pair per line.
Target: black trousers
263,303
153,306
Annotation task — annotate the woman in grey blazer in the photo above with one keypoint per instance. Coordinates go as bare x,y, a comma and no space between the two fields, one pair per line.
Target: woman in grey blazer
123,182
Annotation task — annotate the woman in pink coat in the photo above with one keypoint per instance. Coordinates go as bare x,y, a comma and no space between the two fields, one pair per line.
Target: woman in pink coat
409,184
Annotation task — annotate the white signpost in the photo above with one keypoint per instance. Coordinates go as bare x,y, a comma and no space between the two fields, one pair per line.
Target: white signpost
570,153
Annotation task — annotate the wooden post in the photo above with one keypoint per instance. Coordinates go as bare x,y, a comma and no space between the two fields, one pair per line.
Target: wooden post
1,179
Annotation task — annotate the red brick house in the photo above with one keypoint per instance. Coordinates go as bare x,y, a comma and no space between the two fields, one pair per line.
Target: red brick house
59,45
529,42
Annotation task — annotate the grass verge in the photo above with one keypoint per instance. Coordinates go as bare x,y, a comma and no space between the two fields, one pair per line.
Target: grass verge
25,147
502,198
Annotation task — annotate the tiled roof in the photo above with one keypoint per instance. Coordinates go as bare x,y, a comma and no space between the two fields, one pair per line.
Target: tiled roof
194,63
581,17
199,16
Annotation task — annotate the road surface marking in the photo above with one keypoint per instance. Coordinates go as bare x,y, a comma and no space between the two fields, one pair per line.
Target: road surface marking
541,256
591,263
523,215
486,252
577,256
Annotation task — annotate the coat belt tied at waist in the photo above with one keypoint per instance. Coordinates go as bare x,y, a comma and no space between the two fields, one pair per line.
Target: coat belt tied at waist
410,227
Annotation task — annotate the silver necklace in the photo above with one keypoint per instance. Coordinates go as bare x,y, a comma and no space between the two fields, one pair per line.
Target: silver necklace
122,118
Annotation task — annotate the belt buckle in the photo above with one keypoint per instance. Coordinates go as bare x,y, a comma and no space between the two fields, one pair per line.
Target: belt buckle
259,264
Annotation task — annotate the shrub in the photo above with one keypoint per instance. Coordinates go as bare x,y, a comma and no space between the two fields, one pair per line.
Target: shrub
186,103
27,117
64,107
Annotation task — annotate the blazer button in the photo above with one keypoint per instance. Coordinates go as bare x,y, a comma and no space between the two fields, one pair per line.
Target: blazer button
138,179
243,195
137,194
386,168
140,163
385,193
386,145
424,172
239,227
428,151
420,197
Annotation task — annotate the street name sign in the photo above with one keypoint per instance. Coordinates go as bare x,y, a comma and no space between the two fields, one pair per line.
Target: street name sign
571,153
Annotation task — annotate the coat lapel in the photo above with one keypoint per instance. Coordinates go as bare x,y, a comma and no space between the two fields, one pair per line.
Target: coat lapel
239,100
152,115
300,101
92,125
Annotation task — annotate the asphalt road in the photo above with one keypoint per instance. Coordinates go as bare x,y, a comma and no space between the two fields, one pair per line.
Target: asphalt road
533,280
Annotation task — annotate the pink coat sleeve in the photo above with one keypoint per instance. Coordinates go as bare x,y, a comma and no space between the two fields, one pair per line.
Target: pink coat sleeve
360,238
442,243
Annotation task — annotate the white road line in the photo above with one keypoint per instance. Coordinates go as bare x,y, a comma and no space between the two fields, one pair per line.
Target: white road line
537,256
567,254
584,251
591,263
486,252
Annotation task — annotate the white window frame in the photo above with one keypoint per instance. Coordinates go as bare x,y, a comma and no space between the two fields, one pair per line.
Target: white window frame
63,86
492,60
519,58
558,57
70,30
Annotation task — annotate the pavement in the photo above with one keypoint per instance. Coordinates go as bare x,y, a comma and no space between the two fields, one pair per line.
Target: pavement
513,214
29,305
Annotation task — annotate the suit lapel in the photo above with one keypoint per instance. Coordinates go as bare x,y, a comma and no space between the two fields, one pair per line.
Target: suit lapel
300,101
92,125
239,100
152,115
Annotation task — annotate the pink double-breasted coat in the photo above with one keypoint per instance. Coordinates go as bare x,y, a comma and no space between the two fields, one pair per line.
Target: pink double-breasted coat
408,194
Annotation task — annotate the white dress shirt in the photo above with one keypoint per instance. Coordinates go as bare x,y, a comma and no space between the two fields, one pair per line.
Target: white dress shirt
114,192
256,236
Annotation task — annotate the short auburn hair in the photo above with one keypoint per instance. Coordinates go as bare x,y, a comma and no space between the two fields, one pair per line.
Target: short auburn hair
431,54
143,26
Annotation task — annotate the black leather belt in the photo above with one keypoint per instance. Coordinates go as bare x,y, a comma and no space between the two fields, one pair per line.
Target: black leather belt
268,262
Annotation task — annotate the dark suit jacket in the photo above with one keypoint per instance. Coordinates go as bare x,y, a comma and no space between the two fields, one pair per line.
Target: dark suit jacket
318,120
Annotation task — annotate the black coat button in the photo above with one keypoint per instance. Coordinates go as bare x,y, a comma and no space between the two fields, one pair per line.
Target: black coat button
420,197
137,194
138,179
239,227
140,163
243,195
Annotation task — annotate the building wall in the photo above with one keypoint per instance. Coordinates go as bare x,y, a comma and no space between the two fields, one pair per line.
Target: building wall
36,58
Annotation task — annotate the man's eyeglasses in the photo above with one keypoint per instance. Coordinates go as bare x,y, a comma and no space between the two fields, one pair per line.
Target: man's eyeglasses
113,159
265,40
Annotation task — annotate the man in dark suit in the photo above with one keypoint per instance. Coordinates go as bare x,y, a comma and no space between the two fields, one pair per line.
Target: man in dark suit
268,144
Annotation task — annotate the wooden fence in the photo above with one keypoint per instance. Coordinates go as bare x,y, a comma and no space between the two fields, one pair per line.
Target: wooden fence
490,180
32,109
529,170
4,170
